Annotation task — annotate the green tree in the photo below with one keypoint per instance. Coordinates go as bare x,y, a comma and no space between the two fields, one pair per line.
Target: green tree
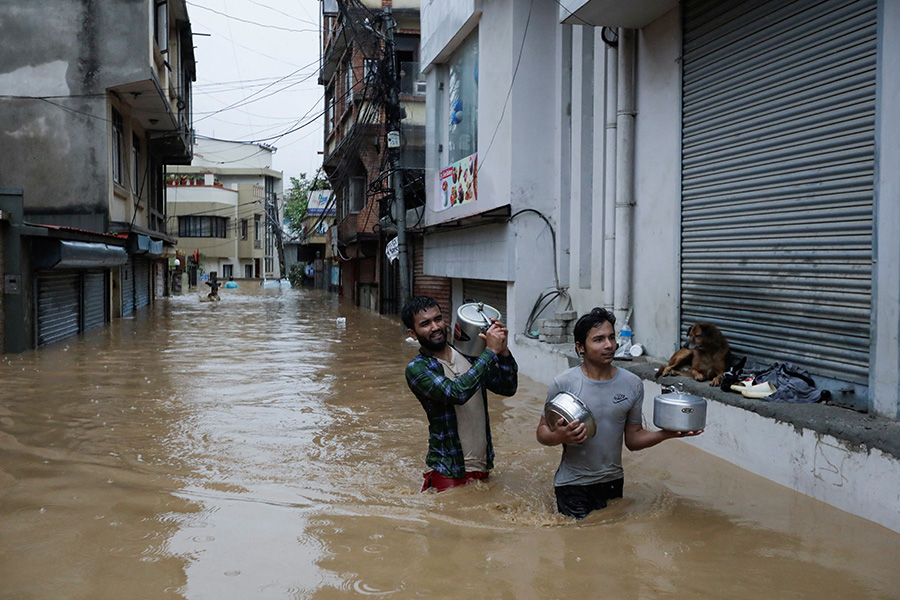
297,199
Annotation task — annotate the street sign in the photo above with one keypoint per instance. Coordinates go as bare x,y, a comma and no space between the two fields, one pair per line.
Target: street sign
393,139
392,250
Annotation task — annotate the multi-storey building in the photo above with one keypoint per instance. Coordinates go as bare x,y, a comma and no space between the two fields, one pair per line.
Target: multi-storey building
96,100
224,209
360,42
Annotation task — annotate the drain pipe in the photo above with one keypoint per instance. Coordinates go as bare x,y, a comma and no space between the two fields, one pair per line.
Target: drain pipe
609,185
624,222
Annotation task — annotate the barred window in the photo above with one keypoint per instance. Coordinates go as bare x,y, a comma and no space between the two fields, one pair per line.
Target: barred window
202,226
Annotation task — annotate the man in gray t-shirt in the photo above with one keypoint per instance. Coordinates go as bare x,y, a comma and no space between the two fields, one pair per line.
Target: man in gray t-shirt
590,472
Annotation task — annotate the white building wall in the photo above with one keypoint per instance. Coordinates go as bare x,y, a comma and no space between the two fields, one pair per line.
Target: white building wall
657,215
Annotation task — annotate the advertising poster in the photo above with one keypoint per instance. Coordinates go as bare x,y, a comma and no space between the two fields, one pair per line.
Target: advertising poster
458,183
318,203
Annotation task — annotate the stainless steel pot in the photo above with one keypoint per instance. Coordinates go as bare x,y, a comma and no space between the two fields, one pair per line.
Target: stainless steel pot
568,406
472,319
676,410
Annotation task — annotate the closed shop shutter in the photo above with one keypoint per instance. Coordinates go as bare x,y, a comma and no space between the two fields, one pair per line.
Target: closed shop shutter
439,288
492,293
58,305
159,268
141,282
778,172
126,279
94,313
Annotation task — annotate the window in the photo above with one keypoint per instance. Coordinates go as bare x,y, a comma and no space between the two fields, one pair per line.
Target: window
245,227
202,226
462,96
257,242
227,271
329,109
118,147
357,193
348,85
135,166
370,69
161,26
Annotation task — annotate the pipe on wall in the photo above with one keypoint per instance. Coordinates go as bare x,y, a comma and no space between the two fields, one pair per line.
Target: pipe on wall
624,209
609,184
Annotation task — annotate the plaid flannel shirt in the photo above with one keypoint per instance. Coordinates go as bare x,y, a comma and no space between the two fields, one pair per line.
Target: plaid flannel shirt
439,396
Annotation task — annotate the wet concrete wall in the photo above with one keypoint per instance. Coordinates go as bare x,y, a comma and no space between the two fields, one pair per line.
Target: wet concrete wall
54,124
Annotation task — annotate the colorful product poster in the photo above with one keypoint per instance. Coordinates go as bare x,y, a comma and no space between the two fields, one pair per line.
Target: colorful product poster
458,183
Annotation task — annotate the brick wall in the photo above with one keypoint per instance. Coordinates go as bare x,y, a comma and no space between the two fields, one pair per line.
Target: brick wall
438,288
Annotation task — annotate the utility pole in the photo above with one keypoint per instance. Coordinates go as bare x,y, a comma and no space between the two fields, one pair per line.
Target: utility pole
393,117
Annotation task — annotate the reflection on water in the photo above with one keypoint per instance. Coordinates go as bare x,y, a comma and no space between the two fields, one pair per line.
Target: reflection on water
256,448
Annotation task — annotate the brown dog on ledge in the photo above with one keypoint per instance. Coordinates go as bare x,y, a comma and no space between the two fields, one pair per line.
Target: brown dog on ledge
707,353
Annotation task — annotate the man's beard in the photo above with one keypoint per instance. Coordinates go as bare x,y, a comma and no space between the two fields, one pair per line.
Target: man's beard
432,346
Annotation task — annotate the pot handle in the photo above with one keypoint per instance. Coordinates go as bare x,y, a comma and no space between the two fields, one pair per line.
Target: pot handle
675,387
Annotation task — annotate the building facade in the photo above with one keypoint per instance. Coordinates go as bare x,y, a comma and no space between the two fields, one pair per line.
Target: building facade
681,162
225,211
89,117
370,72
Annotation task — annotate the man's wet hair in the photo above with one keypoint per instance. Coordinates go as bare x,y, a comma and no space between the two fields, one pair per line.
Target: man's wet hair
595,318
414,306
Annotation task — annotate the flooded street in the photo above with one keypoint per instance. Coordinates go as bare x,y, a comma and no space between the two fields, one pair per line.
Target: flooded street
255,448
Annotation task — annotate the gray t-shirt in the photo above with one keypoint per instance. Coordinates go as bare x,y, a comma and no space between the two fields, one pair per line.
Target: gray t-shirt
613,403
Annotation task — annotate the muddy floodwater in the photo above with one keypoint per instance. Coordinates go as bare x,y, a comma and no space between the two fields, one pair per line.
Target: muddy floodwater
256,448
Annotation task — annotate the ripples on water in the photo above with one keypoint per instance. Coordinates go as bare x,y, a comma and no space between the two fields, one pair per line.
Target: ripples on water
256,448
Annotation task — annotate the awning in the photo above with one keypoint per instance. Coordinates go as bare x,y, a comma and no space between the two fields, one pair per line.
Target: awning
65,254
144,244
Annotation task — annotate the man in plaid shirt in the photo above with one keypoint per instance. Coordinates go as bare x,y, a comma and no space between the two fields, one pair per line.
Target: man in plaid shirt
443,380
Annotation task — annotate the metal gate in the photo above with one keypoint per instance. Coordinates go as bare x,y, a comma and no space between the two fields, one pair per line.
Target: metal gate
58,301
141,282
93,291
126,285
777,182
492,293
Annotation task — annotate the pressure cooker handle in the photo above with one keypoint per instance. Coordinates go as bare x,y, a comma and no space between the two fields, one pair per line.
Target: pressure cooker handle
675,387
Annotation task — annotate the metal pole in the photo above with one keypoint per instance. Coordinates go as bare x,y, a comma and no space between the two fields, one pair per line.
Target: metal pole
393,121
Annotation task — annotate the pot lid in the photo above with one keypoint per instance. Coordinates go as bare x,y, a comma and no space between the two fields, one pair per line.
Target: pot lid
478,312
676,395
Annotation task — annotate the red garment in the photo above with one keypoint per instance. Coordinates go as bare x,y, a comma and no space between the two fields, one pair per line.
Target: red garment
435,480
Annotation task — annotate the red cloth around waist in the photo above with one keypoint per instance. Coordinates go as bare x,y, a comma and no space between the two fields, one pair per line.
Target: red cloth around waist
435,480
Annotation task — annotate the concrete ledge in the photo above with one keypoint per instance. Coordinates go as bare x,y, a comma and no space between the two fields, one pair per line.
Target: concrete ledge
854,428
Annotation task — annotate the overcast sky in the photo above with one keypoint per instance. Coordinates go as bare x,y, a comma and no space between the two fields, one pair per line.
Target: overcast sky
257,74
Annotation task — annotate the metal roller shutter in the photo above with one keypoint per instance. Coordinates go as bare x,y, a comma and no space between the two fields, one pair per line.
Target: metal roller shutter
778,172
141,282
126,279
58,300
492,293
439,288
94,300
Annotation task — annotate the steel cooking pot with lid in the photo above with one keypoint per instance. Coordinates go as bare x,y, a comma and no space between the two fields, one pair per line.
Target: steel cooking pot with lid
676,410
472,319
568,406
